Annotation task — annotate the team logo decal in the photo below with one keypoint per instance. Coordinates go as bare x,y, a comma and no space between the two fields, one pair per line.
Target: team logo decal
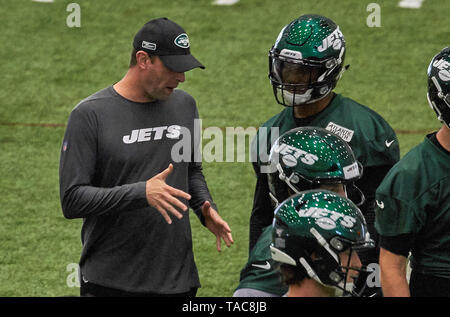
351,171
291,54
328,219
444,69
333,40
156,133
182,40
291,155
344,133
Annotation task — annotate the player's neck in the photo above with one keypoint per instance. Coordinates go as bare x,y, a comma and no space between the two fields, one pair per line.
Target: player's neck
308,110
309,288
443,137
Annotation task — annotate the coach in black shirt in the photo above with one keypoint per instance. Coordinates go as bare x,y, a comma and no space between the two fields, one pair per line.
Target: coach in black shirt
122,171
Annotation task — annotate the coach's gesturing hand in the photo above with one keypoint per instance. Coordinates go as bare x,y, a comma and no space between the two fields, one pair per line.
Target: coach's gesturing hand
217,225
163,197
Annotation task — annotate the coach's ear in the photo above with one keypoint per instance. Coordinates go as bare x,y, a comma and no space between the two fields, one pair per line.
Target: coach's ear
143,60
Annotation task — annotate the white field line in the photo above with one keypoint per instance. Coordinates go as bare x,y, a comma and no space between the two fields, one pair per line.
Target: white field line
411,4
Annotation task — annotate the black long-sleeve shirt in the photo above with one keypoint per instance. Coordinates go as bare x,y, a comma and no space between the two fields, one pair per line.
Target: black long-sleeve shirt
111,147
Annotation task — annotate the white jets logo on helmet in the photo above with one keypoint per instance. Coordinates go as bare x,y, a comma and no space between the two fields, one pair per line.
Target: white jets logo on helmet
292,154
444,69
334,40
327,219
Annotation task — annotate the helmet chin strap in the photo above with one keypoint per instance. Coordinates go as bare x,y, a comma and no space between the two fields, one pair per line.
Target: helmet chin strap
324,244
285,179
309,270
341,289
434,107
274,199
438,87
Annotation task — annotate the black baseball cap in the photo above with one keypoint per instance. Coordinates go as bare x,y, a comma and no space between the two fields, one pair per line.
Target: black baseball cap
168,40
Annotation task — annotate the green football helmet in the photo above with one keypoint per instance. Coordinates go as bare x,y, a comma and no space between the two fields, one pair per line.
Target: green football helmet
306,60
306,157
439,85
309,231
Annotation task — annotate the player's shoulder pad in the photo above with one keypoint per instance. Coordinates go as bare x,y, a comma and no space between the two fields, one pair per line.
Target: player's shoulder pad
365,117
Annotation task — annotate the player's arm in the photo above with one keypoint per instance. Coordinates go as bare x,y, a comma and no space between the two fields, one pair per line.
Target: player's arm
395,245
394,251
378,156
393,274
262,210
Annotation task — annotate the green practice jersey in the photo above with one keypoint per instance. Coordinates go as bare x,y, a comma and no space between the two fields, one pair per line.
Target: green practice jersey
414,198
371,138
261,272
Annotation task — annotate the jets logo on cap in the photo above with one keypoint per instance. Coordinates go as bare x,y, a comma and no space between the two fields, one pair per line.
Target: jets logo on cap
182,40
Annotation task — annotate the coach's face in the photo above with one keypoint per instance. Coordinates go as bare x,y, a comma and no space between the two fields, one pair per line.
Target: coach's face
157,80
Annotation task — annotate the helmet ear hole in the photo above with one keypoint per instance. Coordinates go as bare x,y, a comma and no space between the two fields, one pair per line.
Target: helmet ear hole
337,244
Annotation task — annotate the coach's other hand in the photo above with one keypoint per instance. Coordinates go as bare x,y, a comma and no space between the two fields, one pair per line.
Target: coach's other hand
162,196
216,225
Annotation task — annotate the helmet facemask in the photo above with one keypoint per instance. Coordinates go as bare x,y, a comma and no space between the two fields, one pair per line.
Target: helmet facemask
331,263
306,60
318,234
439,101
295,82
439,85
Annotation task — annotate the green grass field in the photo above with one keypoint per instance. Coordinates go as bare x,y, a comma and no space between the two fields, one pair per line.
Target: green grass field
48,67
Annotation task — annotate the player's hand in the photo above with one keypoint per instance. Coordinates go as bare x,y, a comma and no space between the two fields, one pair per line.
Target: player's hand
217,226
163,197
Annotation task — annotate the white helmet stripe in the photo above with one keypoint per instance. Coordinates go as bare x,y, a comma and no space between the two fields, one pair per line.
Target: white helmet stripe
324,243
